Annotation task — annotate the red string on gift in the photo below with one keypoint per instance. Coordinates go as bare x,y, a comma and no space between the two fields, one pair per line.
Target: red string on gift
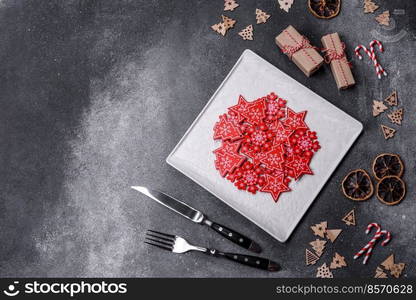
303,44
332,54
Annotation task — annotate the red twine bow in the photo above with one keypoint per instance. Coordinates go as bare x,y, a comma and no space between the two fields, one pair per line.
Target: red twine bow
332,54
290,50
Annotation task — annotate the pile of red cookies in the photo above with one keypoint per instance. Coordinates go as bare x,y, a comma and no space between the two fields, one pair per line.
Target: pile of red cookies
264,146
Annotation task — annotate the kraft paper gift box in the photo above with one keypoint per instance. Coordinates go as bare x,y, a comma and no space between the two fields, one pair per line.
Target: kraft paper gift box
335,55
299,50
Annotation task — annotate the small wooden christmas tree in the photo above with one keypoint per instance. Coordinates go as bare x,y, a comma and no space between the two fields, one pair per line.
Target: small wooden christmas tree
349,218
228,22
387,132
378,107
285,4
396,116
320,229
219,28
230,5
392,99
324,272
369,6
384,18
310,257
261,16
338,261
318,246
380,273
247,33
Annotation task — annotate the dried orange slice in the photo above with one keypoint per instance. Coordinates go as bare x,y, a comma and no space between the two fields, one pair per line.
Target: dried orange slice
324,9
357,185
391,190
387,164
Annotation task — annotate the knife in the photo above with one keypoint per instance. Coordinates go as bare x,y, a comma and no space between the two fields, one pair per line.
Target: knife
198,217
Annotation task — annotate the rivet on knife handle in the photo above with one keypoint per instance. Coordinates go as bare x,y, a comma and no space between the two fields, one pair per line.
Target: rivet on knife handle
234,236
253,261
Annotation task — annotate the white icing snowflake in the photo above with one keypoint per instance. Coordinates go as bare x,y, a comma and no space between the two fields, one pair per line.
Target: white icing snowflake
224,130
255,114
275,159
226,163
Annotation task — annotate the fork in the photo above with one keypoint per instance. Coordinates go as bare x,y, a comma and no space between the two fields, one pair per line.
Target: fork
178,244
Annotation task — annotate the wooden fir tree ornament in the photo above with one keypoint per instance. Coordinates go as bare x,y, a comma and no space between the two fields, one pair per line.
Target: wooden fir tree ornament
396,116
320,229
349,218
224,26
285,4
384,18
228,22
219,28
388,263
378,107
380,273
318,246
332,234
392,99
310,257
247,33
324,272
397,269
230,5
261,16
388,132
370,6
338,261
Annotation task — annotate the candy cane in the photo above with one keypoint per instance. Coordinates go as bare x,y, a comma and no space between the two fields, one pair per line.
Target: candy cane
369,53
371,225
357,51
368,248
372,55
388,238
380,47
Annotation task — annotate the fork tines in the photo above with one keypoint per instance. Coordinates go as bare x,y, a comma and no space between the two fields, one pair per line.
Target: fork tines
159,239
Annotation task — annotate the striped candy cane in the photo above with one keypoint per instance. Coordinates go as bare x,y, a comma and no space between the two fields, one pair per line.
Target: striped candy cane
374,58
368,249
372,55
371,225
357,51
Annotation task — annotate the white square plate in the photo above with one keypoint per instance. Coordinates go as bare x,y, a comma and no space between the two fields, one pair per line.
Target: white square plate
253,77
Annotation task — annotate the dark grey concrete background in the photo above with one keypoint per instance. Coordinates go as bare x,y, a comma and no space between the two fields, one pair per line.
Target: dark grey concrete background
95,94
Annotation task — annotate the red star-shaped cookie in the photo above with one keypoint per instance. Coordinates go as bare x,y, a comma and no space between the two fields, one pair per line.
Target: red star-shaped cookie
241,106
275,186
300,166
226,130
255,112
295,120
235,118
256,157
272,108
281,133
228,147
274,158
227,162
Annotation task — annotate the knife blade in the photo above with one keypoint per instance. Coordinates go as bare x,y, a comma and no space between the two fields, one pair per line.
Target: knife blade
196,216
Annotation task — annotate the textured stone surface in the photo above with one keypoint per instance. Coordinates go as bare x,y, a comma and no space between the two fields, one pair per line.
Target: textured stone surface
94,96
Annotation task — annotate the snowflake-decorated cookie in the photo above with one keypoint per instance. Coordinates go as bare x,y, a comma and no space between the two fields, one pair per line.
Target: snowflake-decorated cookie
264,145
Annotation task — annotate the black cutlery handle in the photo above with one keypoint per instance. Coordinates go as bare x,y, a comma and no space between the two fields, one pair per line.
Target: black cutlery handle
234,236
248,260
